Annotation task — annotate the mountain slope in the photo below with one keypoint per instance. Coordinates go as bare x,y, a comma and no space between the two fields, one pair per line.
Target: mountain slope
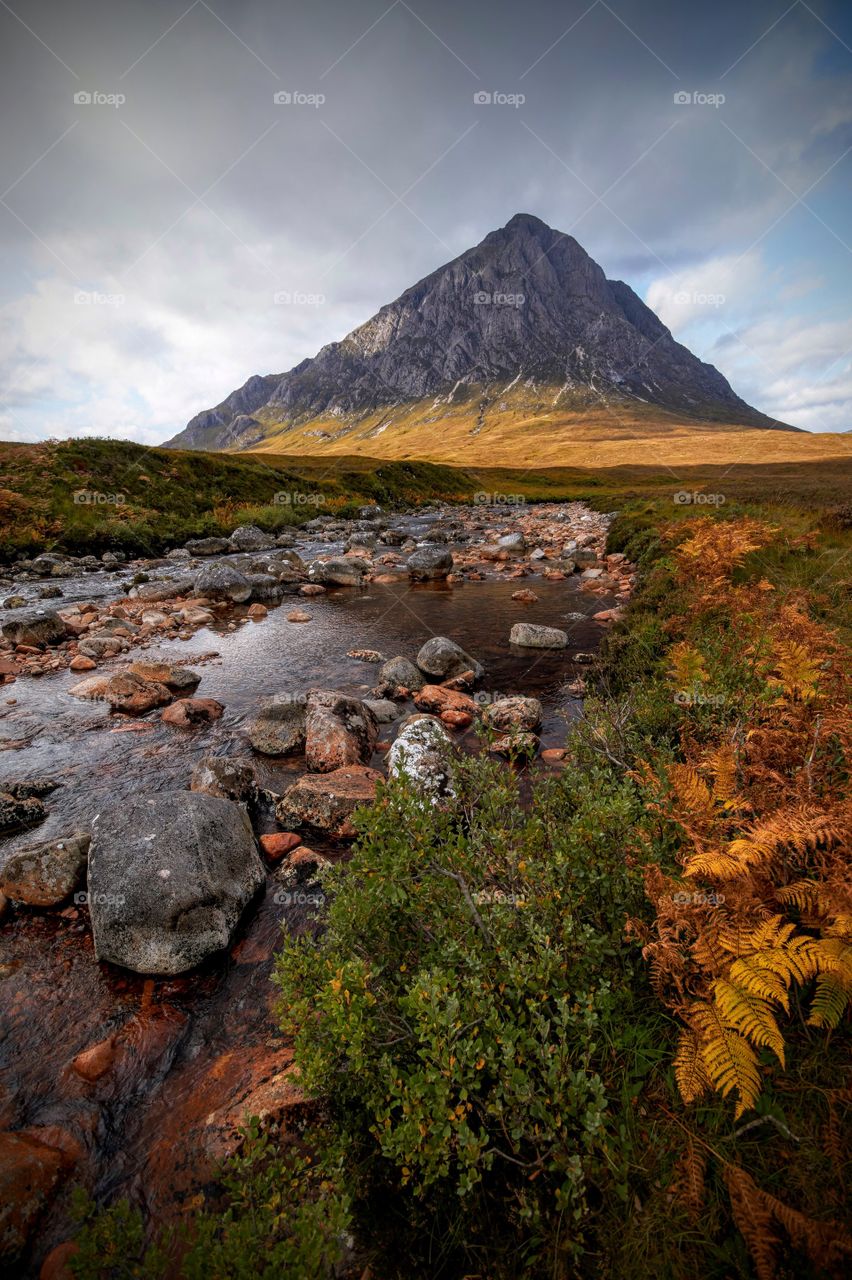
526,310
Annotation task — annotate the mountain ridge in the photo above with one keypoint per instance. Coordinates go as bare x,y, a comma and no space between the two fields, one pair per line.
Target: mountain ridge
527,303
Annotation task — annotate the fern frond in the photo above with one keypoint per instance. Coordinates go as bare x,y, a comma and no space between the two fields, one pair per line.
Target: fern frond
688,1182
753,1219
829,1002
729,1059
690,1072
749,1014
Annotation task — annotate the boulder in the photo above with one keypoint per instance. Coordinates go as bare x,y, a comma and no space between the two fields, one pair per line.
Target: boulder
529,635
228,777
512,714
442,658
514,543
187,713
179,679
170,875
429,563
400,673
327,801
208,546
157,591
437,699
249,538
343,571
339,730
222,582
30,1173
19,812
97,647
278,729
384,711
424,753
124,692
36,627
264,586
45,874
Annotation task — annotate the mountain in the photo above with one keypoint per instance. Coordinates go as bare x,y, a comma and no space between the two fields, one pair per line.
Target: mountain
524,323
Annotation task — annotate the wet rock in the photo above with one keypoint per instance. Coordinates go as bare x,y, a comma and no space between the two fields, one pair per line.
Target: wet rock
278,729
525,596
179,679
280,844
400,673
442,658
384,711
512,745
264,586
312,589
81,663
366,655
423,752
37,627
14,602
18,814
429,563
514,543
228,777
125,692
437,699
95,1061
222,582
45,874
50,593
257,612
157,591
514,713
327,801
343,571
100,646
529,635
188,713
27,787
169,877
339,730
30,1173
249,538
208,546
299,615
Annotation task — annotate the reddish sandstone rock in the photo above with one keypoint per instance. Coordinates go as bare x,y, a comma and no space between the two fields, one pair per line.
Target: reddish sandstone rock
437,699
30,1172
457,719
281,843
312,589
187,713
339,731
554,755
299,615
525,596
57,1264
95,1061
326,801
82,664
258,611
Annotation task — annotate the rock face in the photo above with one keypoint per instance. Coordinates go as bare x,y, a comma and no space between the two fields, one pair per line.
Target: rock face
18,812
512,714
429,563
442,659
38,626
529,635
45,874
424,753
527,299
222,582
278,729
339,731
169,877
327,801
228,777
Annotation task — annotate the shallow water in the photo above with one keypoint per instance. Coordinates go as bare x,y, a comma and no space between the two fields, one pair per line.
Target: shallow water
179,1035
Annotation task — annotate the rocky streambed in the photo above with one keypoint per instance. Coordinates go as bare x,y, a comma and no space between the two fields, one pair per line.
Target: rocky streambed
182,743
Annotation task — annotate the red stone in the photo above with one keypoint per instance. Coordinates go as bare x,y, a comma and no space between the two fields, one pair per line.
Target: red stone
281,843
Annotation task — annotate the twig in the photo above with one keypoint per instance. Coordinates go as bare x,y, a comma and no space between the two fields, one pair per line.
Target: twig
755,1124
460,881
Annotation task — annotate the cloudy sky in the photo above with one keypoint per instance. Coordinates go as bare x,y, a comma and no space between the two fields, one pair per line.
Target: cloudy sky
158,206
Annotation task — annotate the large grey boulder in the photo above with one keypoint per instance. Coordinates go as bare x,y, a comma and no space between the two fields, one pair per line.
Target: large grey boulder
208,546
343,571
399,673
514,543
170,875
222,582
278,729
249,538
339,731
428,563
45,874
529,635
442,659
423,753
37,626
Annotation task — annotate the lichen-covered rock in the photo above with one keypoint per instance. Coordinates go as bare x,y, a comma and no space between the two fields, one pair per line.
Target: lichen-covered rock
278,729
442,658
36,627
45,874
222,582
326,801
339,730
424,753
529,635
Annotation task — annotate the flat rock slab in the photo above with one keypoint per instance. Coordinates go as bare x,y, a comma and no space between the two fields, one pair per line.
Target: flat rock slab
327,801
529,635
